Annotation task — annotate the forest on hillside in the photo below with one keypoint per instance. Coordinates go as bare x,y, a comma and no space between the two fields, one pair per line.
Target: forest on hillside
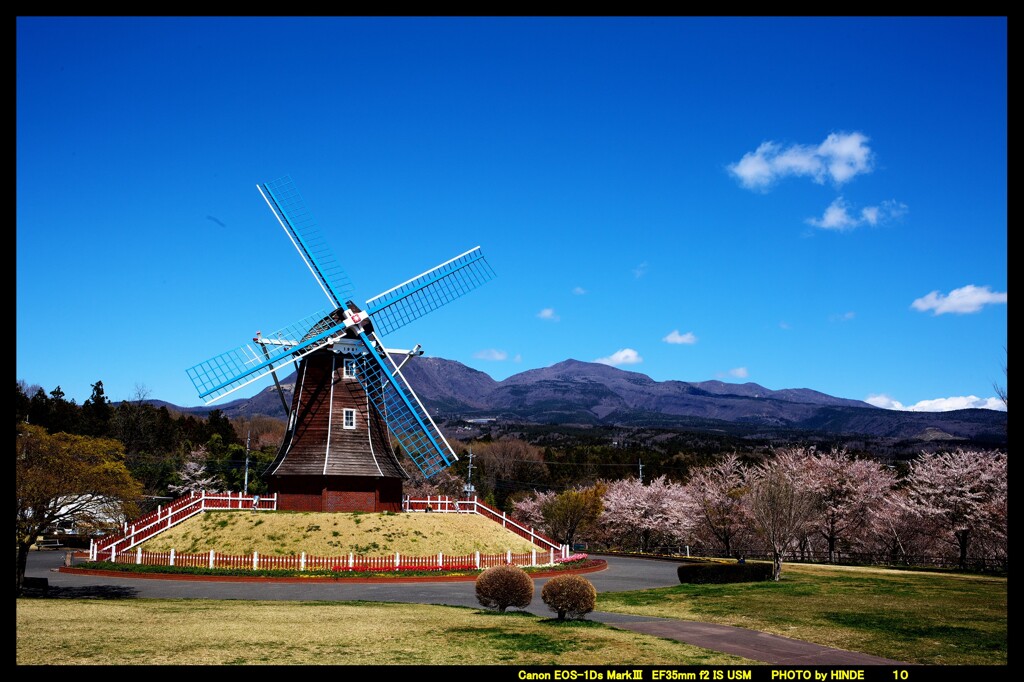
168,450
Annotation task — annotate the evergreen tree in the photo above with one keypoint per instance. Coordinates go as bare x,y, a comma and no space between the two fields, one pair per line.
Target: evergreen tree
21,403
96,412
218,424
64,414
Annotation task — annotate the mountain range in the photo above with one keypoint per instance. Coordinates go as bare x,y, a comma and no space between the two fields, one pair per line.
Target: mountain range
587,393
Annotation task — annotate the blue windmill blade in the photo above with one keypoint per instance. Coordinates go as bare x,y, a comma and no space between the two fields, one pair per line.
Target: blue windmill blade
230,371
424,293
407,419
290,210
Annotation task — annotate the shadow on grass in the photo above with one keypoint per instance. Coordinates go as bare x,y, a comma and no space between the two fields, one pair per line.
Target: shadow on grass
566,622
87,592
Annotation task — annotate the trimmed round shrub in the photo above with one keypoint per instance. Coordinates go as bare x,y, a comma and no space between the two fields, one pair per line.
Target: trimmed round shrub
500,587
569,596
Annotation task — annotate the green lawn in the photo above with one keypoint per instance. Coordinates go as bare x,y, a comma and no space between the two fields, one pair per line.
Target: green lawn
911,616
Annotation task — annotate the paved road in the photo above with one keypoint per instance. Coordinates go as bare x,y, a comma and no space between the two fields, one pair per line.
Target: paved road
622,574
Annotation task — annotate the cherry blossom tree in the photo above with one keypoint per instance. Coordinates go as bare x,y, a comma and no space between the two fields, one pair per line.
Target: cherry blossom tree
783,501
900,535
718,494
194,476
529,509
849,491
642,517
964,491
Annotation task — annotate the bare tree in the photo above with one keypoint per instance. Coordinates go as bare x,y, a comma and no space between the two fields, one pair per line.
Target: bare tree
444,482
1001,390
508,463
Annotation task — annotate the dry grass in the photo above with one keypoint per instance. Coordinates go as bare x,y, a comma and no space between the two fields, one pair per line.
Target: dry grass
338,534
204,632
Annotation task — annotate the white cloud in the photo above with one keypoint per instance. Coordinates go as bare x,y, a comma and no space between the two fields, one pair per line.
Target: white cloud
968,299
884,401
490,354
548,314
957,403
517,358
845,156
579,291
676,337
624,356
938,404
640,270
839,158
844,317
870,214
838,217
739,372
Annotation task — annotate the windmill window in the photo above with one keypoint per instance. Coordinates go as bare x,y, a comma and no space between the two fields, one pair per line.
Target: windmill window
349,369
349,418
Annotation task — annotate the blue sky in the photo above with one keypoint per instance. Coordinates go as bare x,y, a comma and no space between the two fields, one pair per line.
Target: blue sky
797,202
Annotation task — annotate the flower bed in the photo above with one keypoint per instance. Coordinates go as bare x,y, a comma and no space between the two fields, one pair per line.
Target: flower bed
575,563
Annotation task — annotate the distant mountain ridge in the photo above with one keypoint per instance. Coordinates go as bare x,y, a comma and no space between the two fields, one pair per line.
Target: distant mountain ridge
575,392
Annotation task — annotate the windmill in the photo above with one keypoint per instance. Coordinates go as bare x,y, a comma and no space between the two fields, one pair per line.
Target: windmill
350,397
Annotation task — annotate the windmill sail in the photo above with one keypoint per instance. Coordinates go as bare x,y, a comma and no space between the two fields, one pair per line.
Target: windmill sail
291,212
230,371
424,293
407,419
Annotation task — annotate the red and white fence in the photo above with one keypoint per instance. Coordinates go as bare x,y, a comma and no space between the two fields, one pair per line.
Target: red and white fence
118,548
351,562
445,504
167,516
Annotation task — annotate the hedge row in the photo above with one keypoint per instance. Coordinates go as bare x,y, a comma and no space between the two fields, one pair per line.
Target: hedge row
713,572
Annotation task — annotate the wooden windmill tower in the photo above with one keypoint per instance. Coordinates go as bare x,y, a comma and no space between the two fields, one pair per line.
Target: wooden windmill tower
351,401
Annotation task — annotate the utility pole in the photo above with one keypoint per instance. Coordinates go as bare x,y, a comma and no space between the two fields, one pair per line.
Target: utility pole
640,462
247,434
468,488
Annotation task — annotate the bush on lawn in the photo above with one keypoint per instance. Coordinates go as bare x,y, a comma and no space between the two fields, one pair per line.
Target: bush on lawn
569,595
713,572
500,587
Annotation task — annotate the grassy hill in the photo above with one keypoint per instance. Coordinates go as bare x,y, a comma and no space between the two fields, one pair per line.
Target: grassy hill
337,534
